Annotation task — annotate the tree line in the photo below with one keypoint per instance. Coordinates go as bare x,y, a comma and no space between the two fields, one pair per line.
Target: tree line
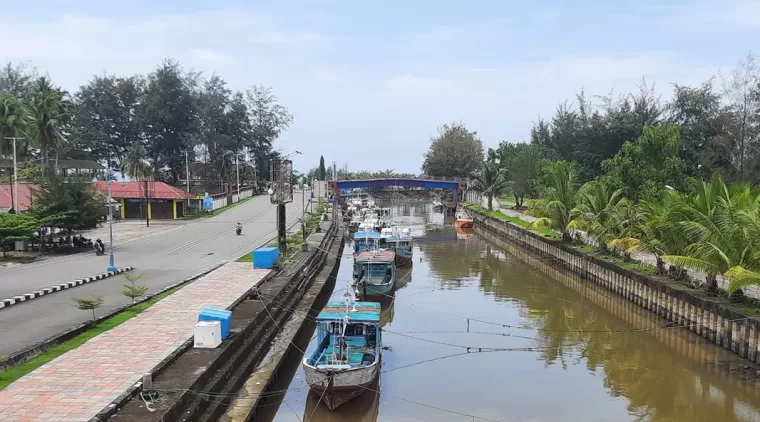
143,125
677,179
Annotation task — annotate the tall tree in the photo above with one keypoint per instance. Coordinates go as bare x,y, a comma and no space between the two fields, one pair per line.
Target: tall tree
704,145
17,80
740,93
559,180
50,111
491,181
644,168
456,151
105,116
322,170
268,119
67,205
167,115
522,164
14,120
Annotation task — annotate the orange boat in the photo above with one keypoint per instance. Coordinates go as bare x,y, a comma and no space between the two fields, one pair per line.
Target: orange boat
463,221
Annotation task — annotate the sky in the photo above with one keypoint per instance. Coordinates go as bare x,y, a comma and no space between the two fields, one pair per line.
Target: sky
369,82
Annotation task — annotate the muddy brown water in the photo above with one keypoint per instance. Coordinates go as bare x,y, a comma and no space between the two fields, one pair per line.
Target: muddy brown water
565,351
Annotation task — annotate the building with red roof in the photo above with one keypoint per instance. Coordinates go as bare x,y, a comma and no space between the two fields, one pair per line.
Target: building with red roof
156,199
25,194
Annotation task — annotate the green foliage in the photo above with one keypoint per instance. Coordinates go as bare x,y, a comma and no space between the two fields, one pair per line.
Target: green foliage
455,152
645,167
558,198
133,290
68,205
16,226
491,181
321,171
89,303
50,111
521,161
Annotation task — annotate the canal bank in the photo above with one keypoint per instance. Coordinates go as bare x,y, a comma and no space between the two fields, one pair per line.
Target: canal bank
563,355
725,327
200,383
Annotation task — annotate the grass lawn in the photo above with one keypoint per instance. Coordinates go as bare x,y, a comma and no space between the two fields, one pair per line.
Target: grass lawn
18,371
543,231
226,207
295,240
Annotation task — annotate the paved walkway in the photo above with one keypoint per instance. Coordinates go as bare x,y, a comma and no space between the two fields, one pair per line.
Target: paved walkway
642,257
80,383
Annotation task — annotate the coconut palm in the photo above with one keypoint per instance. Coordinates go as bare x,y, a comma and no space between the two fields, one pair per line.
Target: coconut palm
14,118
593,212
713,222
135,164
491,181
50,113
558,199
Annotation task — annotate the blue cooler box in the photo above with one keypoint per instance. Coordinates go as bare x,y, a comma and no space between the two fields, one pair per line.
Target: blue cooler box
221,315
265,257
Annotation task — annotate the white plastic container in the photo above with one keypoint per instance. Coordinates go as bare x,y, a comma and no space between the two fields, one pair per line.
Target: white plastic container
208,335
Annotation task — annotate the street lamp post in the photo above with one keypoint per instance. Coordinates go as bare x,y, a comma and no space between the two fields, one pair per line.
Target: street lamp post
111,263
304,246
14,189
311,207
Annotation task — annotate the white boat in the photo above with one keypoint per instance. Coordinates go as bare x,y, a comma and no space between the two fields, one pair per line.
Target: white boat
347,358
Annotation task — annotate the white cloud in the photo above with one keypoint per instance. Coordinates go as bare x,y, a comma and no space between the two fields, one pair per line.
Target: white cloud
206,54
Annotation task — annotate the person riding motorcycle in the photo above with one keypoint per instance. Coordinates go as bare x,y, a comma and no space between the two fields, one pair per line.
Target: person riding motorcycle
100,247
238,228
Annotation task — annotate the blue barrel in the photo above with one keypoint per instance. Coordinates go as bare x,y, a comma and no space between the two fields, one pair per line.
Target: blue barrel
265,257
221,315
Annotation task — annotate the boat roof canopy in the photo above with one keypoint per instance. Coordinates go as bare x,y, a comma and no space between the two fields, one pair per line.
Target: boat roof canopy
365,312
362,235
376,256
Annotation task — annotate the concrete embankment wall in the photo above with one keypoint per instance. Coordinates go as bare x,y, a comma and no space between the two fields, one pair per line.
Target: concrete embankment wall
723,326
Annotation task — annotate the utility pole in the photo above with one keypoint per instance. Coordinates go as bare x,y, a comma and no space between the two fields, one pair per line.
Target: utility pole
147,205
187,171
237,170
15,174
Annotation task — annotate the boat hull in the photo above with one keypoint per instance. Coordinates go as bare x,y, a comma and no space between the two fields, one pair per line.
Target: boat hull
403,257
375,290
463,224
336,387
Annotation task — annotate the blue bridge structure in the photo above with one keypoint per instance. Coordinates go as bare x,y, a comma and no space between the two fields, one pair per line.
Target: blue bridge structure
455,184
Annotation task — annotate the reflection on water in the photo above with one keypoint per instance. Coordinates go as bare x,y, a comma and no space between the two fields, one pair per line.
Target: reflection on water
592,356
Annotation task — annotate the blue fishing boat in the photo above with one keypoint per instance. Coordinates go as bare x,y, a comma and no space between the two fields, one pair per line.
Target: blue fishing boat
375,273
366,241
399,240
347,358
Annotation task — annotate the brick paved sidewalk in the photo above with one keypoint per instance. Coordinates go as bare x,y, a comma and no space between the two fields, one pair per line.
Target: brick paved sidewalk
80,383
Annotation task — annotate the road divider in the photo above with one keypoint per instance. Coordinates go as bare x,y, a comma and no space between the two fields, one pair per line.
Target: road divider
63,286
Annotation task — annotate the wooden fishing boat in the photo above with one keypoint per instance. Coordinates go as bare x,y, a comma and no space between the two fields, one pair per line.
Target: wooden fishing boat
463,221
374,273
346,361
401,243
366,241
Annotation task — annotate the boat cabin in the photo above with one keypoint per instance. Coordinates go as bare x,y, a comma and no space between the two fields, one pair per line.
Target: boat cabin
399,242
366,241
348,336
375,267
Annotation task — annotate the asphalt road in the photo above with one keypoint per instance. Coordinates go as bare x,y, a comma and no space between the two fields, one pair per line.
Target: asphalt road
164,259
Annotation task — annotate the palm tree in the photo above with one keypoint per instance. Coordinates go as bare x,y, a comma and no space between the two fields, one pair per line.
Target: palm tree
595,203
720,243
491,181
558,199
14,118
134,163
50,112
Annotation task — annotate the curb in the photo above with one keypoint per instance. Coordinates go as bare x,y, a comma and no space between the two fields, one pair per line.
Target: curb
30,352
58,287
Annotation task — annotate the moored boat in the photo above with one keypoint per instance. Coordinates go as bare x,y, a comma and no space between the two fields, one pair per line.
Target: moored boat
401,243
366,241
347,359
463,221
375,273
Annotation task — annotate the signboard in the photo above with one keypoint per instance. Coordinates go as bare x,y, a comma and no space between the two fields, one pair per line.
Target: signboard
208,203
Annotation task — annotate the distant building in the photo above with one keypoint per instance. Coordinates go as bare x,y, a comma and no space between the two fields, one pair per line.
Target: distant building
25,194
163,201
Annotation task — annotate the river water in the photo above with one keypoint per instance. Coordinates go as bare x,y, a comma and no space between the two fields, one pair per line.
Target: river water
565,351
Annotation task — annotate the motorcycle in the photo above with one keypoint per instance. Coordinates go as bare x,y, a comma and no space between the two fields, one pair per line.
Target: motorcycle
99,251
238,230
